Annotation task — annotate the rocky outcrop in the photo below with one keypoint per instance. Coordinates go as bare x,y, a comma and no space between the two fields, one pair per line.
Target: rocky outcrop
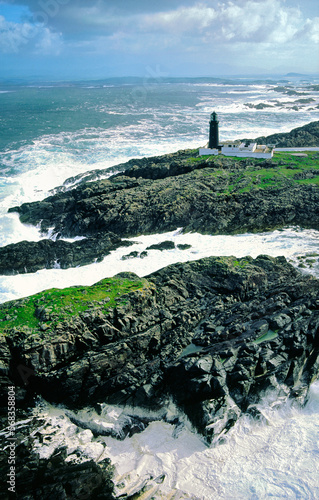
153,195
129,206
30,256
56,477
306,136
211,334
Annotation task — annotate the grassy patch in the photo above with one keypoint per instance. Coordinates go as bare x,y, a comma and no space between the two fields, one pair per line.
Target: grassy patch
240,263
281,171
314,180
196,159
55,305
241,175
270,335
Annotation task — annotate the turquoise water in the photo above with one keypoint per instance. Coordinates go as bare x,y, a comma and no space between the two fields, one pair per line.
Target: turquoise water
49,133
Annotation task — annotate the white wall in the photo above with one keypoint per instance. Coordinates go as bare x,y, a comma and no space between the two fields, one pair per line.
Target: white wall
296,149
248,154
207,151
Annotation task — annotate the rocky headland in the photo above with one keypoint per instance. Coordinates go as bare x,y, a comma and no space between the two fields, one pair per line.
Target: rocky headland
215,195
210,336
306,136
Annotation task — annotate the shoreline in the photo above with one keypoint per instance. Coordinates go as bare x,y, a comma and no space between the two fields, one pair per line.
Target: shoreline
212,334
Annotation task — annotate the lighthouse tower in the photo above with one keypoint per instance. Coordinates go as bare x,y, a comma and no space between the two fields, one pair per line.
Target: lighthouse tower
245,149
213,131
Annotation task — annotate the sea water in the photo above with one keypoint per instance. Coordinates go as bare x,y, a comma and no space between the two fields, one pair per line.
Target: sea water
299,246
52,132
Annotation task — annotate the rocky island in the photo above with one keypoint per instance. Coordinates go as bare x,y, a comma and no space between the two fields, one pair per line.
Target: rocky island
210,335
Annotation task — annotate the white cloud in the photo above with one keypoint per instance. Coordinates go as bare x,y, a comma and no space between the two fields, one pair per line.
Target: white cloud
312,29
198,33
182,20
243,21
48,43
13,35
37,38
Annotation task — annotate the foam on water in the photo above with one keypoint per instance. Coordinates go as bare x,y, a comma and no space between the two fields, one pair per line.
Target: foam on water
290,242
277,457
49,161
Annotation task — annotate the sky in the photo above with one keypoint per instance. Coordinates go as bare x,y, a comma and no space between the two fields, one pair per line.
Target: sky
96,39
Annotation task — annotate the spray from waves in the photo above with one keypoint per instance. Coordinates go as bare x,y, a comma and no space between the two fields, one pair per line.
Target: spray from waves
52,159
276,456
294,243
37,168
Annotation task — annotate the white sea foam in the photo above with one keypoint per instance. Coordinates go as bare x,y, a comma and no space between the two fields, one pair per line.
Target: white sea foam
278,460
14,230
46,164
257,461
290,242
274,458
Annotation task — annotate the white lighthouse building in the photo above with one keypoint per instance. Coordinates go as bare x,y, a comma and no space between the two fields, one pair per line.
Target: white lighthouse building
246,149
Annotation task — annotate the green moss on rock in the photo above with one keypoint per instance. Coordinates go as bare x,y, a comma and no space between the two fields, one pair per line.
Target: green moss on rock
46,309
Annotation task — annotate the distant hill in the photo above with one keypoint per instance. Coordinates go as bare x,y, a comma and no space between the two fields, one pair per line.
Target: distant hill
308,135
295,74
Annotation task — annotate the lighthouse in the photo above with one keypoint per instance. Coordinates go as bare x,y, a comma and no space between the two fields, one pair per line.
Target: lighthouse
213,132
241,149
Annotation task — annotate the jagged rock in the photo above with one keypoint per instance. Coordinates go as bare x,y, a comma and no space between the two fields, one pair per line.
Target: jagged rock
131,255
215,195
306,136
30,256
164,245
55,477
140,208
252,324
183,246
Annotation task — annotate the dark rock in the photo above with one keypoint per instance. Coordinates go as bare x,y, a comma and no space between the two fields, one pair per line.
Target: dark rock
135,353
306,136
29,256
159,194
131,255
52,478
164,245
184,246
127,209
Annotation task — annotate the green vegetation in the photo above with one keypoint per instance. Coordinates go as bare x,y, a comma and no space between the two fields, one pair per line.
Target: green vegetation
55,305
196,159
270,335
240,263
240,175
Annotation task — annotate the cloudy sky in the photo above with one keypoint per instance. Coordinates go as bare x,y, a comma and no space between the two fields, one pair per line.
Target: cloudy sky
65,39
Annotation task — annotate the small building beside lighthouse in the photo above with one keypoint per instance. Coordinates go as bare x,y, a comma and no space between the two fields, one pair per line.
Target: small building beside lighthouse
232,148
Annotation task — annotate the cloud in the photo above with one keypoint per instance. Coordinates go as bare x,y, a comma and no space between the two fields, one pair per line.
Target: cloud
48,43
13,35
312,29
244,21
188,33
39,39
236,21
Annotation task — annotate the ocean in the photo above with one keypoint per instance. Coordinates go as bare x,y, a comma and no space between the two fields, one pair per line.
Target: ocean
54,131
